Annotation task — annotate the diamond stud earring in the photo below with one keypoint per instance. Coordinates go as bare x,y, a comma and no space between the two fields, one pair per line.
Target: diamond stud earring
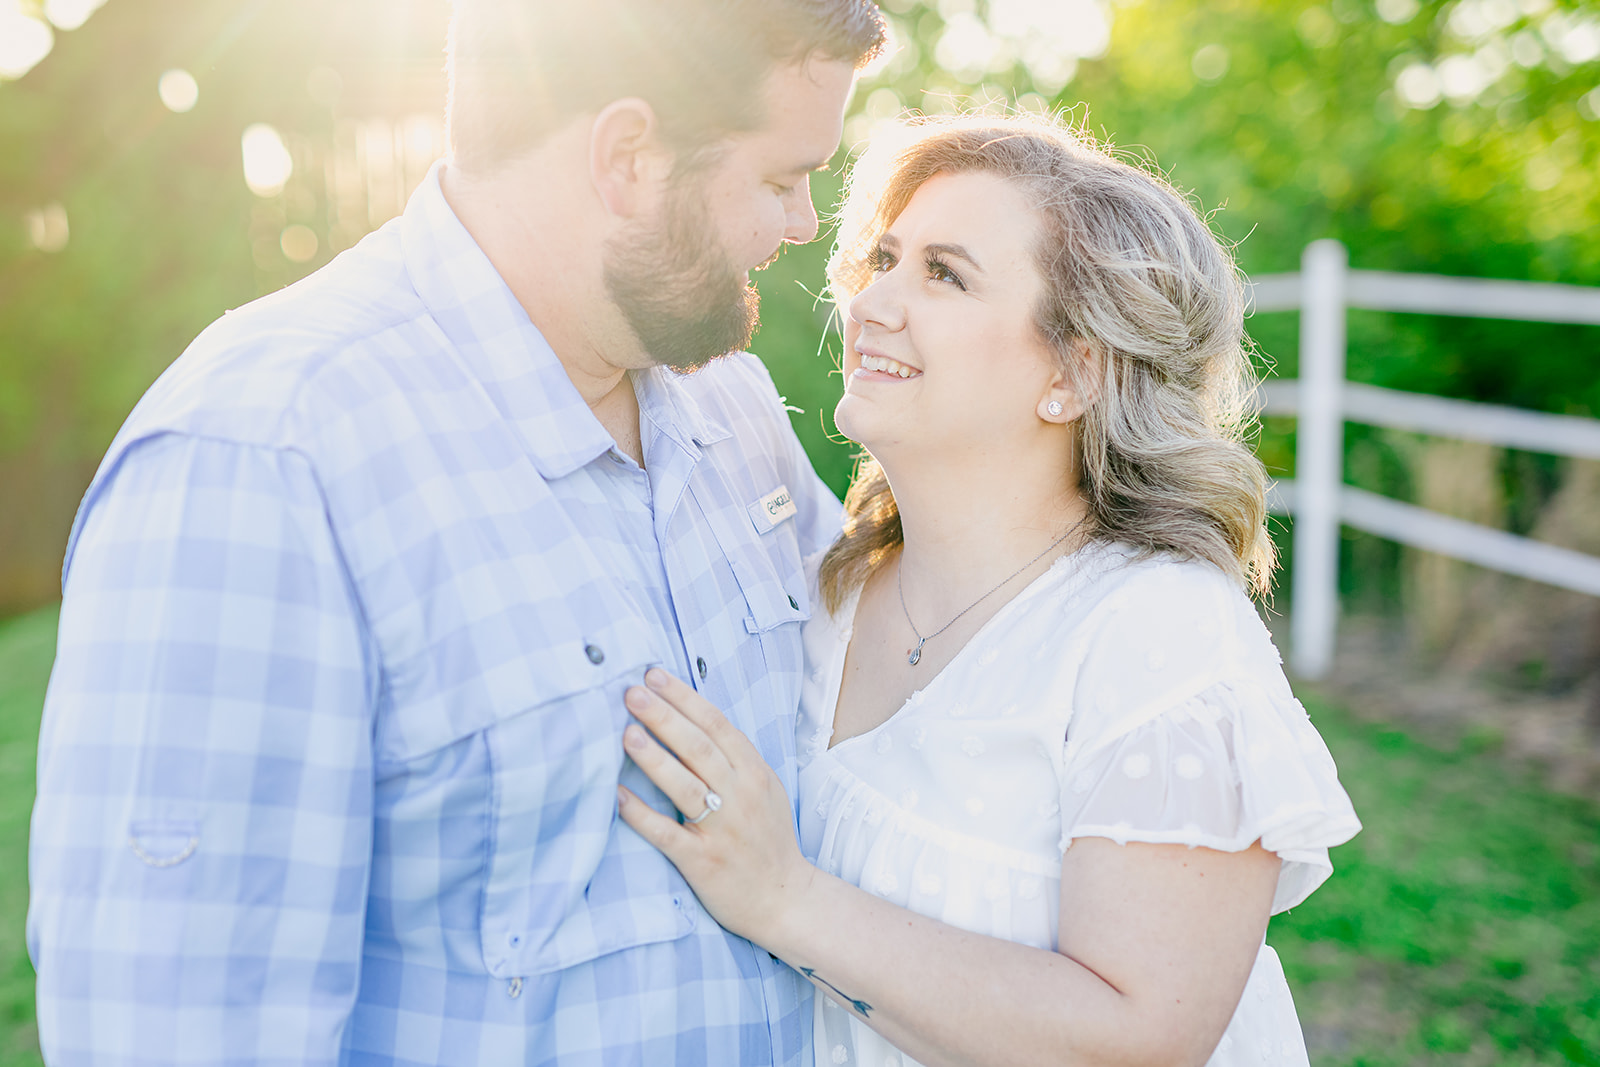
1054,407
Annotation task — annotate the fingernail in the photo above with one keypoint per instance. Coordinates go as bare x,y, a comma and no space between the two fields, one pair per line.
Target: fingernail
656,678
633,737
638,699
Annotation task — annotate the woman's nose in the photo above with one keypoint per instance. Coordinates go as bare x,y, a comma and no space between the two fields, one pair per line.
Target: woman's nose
877,304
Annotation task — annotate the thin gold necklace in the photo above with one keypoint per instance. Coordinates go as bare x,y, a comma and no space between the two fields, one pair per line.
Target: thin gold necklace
915,654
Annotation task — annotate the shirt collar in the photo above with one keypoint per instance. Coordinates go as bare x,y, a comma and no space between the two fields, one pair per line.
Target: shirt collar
505,352
665,399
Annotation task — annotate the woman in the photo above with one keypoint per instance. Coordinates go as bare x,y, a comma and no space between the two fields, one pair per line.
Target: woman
1053,780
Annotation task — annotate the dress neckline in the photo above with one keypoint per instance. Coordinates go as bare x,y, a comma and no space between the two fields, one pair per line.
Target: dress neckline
1065,567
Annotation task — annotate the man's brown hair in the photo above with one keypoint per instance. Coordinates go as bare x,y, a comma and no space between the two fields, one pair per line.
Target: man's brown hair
520,69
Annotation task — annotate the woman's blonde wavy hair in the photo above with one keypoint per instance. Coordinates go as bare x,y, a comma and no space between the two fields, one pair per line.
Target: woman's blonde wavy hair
1144,309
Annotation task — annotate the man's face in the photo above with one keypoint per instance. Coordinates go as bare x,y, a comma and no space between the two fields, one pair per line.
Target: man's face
682,277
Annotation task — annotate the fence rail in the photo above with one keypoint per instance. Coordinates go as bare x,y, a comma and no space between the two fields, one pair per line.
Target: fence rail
1531,431
1438,294
1323,290
1420,528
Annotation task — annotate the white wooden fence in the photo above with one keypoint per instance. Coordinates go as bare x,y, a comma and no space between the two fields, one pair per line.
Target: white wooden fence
1323,401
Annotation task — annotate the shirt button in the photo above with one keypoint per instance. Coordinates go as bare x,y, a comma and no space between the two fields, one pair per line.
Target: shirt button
594,653
793,603
700,665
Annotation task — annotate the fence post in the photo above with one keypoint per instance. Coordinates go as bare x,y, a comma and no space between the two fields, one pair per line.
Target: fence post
1319,458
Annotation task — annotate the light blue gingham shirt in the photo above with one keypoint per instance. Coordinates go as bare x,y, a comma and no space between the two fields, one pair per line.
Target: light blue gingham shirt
328,764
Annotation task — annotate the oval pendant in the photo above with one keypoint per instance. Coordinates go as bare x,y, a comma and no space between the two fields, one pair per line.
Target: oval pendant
916,653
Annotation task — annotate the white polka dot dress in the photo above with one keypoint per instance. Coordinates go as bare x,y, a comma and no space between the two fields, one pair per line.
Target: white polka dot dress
1136,700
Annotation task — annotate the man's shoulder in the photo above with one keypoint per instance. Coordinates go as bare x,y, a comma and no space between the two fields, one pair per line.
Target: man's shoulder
738,392
362,292
337,338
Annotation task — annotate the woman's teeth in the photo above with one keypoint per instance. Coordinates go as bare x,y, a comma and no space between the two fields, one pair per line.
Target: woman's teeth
888,366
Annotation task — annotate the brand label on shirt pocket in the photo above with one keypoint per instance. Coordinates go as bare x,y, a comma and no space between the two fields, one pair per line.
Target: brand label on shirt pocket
773,509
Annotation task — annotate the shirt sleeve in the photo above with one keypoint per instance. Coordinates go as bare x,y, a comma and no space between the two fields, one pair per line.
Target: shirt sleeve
1184,731
202,834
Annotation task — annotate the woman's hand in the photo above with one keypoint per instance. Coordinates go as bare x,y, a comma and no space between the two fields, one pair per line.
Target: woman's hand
742,858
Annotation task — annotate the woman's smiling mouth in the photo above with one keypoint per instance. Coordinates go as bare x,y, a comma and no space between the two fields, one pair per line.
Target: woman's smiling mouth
885,365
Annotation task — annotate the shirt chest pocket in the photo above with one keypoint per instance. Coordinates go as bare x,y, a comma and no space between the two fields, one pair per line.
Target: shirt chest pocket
760,543
567,882
536,690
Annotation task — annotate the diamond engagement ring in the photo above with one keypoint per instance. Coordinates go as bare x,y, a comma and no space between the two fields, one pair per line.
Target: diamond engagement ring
713,803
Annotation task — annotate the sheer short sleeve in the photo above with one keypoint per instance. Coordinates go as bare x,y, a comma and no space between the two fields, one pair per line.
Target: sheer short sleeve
1184,731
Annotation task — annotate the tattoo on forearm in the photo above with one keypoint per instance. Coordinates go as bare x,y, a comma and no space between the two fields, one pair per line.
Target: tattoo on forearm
859,1005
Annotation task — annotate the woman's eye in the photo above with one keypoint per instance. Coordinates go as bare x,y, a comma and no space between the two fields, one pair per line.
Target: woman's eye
880,261
938,271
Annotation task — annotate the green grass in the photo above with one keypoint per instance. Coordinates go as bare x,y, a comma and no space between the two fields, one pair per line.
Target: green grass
1461,927
27,645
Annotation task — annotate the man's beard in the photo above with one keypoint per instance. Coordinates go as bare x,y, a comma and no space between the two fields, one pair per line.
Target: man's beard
683,299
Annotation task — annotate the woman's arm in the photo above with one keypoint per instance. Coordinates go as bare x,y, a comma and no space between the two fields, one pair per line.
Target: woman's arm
1156,941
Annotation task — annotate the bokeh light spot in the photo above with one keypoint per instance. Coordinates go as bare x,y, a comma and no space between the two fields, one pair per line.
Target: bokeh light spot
1477,20
1526,50
1079,28
24,40
1316,27
1053,35
267,163
1418,86
47,228
1210,62
179,91
299,243
1398,12
1543,172
1589,105
1462,78
70,14
966,47
1575,37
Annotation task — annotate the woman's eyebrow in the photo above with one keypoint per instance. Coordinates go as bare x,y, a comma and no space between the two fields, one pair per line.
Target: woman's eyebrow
958,251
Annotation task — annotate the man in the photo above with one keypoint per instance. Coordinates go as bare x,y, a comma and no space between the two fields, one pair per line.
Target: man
329,762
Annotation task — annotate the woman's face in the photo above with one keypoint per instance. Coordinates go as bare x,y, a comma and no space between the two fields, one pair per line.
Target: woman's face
941,355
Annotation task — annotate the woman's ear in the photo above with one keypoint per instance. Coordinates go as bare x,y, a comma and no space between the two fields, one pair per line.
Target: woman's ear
626,157
1069,395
